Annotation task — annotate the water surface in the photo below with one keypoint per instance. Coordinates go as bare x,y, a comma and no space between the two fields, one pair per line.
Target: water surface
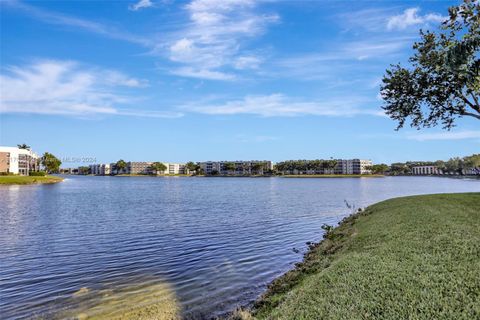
199,245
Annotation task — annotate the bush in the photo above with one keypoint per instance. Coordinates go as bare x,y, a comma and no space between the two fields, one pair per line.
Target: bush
7,174
38,173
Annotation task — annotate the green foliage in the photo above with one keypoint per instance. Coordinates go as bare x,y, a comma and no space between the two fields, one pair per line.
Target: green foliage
120,165
314,166
405,258
23,146
378,168
84,170
193,167
444,80
158,167
229,166
50,162
37,173
16,179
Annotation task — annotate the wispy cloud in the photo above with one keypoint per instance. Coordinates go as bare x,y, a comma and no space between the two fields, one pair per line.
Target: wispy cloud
52,17
209,46
68,88
140,5
279,105
412,17
445,135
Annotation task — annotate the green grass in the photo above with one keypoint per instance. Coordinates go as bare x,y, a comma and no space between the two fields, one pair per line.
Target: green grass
405,258
333,176
28,179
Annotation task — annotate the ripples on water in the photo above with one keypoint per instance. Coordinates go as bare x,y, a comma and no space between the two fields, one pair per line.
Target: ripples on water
198,246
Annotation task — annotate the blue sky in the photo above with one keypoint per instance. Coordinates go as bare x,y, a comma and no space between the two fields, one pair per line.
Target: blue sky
213,79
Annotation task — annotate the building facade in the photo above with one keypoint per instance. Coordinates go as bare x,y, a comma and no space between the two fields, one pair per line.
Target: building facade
426,170
146,168
14,160
353,166
100,169
239,168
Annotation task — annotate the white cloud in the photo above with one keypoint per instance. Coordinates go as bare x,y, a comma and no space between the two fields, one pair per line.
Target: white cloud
278,105
446,135
202,74
247,62
212,40
52,17
411,17
140,5
68,88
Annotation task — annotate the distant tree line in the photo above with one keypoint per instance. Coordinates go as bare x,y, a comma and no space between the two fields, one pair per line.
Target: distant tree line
454,165
318,166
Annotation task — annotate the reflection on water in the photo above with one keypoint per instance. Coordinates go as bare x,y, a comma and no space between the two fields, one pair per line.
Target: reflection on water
146,301
194,247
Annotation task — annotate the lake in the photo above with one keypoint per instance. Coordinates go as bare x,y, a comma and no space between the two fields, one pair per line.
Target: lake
198,247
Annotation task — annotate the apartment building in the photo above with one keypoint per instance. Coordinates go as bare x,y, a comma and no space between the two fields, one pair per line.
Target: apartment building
146,168
18,161
100,169
240,167
426,170
353,166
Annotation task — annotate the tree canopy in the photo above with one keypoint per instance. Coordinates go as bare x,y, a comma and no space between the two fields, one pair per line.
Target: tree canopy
443,82
158,167
23,146
50,162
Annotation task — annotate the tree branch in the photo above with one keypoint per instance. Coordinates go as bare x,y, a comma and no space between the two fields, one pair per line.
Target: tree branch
476,102
471,115
469,103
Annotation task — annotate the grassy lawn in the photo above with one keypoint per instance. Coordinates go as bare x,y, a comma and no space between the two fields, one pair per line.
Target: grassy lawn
28,179
405,258
333,176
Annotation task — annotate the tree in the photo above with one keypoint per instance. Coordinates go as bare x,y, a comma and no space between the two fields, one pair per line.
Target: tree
229,167
51,163
120,165
192,167
472,161
23,146
454,165
158,167
257,167
84,170
444,81
378,168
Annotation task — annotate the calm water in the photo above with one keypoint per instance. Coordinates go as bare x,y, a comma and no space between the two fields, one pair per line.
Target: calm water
209,244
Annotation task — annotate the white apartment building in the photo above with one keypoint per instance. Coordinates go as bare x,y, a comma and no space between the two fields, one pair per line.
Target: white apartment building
18,161
146,168
426,170
353,166
100,169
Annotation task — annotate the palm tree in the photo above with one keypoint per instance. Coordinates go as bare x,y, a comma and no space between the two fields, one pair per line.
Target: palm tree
158,167
192,167
120,165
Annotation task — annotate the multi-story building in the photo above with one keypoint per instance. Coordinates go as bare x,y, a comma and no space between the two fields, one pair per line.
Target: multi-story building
238,168
146,168
18,161
100,169
426,170
353,166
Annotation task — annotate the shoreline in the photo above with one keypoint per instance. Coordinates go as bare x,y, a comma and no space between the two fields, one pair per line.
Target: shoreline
28,180
352,257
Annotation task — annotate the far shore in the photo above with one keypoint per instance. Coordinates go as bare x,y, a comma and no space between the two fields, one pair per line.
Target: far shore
23,180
